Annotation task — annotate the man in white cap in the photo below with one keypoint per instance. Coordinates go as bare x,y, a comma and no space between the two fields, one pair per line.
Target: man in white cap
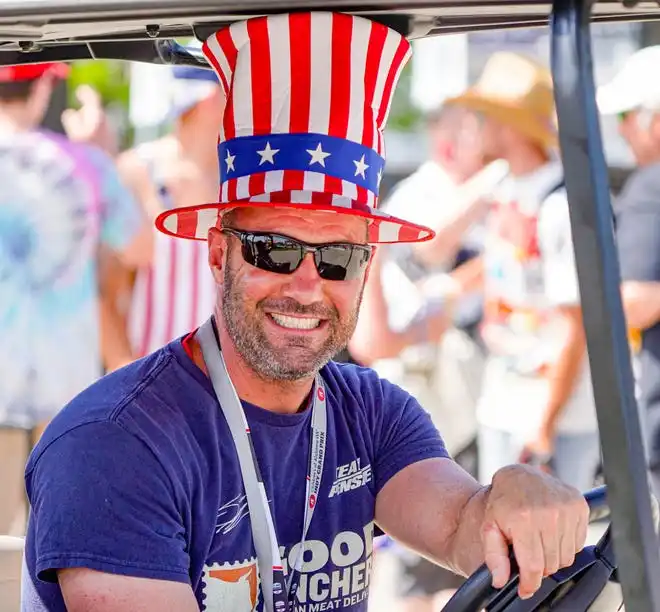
634,96
239,468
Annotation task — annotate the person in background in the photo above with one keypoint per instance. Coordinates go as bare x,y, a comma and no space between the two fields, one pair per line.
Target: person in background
635,98
537,404
173,293
59,202
404,331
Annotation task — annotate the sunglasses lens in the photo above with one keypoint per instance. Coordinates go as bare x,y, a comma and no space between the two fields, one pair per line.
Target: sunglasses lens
340,262
272,253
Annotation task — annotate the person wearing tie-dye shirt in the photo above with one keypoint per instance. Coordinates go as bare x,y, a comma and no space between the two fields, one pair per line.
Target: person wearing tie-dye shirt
59,203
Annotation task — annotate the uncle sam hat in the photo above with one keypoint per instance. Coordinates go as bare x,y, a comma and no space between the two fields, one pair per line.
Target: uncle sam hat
307,99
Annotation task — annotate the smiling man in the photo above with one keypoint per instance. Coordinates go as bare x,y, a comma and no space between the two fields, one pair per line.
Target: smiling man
238,468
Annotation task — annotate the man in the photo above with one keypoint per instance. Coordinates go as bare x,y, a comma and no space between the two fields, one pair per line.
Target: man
173,294
59,203
404,332
150,493
447,193
635,98
537,404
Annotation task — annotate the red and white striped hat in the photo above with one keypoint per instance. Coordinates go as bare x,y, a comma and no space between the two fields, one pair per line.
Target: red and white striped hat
308,96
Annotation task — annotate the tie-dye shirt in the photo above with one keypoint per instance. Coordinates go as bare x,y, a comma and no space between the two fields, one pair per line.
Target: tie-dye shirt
59,202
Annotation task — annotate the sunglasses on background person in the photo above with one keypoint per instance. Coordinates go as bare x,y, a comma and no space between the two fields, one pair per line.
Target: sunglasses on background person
281,254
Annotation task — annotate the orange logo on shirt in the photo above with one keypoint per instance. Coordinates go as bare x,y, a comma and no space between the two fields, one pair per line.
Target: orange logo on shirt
231,587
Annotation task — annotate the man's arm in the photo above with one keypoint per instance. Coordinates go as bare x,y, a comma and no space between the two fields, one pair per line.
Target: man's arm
565,371
563,293
374,337
428,502
115,287
442,248
641,303
440,511
118,543
86,590
471,208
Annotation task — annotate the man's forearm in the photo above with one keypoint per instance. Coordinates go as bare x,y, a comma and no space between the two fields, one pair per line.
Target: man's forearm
115,346
641,303
448,238
562,376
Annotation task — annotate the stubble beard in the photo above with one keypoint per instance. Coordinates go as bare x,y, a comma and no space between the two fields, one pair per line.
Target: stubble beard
298,359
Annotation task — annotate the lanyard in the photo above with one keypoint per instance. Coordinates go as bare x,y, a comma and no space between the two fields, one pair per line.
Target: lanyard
278,591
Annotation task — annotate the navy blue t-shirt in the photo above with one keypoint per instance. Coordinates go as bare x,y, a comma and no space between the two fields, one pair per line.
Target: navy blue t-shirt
139,476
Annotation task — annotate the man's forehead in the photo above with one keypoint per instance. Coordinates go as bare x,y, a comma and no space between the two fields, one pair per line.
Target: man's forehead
328,225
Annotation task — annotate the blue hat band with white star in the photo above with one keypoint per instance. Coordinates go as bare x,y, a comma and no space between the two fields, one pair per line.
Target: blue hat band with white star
329,155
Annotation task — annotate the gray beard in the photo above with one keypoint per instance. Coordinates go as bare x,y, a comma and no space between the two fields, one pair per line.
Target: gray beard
299,360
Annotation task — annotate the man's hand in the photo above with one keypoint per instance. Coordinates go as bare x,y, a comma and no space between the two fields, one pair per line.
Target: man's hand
90,124
543,519
538,450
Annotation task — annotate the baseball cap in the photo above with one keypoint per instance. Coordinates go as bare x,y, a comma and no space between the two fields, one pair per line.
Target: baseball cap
634,86
29,72
190,86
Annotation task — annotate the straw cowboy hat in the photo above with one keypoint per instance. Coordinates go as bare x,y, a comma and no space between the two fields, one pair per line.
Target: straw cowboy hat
307,99
517,91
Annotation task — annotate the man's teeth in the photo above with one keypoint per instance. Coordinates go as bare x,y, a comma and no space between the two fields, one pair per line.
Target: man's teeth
295,322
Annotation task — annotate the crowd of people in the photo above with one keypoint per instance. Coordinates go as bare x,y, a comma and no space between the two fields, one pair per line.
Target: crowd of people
482,324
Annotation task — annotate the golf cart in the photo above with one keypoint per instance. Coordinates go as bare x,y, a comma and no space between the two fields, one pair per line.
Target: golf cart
34,31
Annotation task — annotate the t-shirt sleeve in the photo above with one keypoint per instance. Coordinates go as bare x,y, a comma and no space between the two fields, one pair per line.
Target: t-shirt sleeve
121,215
638,229
404,432
556,244
101,500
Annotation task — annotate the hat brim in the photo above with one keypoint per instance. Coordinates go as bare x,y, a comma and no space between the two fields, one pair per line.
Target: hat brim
509,114
614,98
187,94
194,222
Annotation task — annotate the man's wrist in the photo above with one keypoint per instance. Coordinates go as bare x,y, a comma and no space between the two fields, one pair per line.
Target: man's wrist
467,552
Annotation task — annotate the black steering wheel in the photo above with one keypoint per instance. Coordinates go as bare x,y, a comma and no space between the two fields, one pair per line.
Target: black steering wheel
572,589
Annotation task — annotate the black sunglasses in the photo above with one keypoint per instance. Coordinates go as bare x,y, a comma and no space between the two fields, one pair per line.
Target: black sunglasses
283,255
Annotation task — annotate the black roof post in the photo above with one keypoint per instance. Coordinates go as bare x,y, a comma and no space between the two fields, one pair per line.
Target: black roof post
635,541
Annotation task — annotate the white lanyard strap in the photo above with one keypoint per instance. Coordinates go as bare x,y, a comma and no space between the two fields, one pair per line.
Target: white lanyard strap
276,592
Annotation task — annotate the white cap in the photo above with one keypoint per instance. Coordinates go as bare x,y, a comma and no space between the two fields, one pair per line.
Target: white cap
636,85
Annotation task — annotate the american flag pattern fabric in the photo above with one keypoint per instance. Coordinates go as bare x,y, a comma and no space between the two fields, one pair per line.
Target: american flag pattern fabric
171,296
307,99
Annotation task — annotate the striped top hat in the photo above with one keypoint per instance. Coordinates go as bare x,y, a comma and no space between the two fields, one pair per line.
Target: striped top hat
307,98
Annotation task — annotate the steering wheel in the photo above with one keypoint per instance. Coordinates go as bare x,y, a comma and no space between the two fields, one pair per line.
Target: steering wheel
572,589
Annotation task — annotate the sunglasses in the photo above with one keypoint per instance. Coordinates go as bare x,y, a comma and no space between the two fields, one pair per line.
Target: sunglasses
283,255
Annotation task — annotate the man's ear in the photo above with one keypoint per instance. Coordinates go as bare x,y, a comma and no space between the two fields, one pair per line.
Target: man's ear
217,242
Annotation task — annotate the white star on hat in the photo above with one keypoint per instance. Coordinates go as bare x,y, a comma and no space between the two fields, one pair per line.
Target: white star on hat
360,167
267,154
318,155
229,160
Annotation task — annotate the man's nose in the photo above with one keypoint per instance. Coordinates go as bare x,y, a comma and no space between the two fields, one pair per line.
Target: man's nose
305,285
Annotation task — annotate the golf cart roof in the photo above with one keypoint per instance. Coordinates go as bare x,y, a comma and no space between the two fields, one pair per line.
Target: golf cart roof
45,30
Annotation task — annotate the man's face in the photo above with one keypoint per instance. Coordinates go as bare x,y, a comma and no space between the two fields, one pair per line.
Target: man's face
469,149
640,130
286,326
